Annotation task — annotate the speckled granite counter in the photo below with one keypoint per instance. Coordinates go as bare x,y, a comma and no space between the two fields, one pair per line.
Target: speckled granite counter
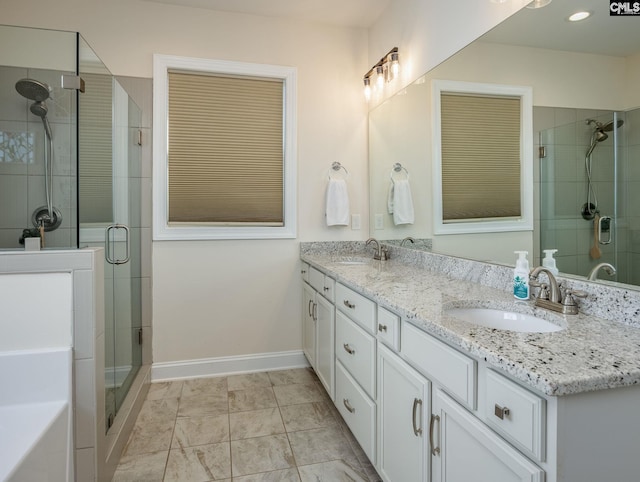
591,353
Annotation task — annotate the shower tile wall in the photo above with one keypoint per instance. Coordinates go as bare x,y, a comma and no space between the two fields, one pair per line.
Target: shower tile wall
22,147
563,187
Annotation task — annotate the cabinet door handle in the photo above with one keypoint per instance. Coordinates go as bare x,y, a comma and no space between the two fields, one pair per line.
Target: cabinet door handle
417,431
315,312
310,308
348,349
349,305
348,405
382,327
501,412
434,450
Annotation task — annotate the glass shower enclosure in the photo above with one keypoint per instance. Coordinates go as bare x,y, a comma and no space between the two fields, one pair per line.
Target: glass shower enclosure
70,175
590,194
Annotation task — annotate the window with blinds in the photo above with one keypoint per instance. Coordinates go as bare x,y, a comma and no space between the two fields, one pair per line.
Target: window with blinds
480,142
225,149
482,157
224,143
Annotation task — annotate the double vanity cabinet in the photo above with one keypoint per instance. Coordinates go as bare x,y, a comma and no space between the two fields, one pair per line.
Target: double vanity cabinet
424,410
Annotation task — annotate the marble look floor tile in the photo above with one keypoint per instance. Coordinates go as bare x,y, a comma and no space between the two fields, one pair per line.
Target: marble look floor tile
261,454
297,393
160,390
191,431
306,416
287,475
252,399
147,437
215,404
334,471
147,467
157,411
257,423
199,464
248,380
204,386
321,445
296,375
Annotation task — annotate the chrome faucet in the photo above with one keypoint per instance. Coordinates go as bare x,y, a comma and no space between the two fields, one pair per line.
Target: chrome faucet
554,299
408,238
593,274
381,253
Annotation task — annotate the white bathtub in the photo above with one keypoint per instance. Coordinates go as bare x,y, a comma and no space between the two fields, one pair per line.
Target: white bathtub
35,416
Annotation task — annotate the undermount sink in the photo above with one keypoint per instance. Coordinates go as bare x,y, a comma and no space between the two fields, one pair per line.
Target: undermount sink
353,261
503,320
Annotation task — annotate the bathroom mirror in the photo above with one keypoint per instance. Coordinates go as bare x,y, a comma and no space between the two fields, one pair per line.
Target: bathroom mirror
582,77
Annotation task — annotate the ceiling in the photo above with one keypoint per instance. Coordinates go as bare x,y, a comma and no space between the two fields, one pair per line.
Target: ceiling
342,13
548,28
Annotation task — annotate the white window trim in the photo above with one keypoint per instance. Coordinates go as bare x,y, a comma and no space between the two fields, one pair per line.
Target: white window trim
161,229
525,221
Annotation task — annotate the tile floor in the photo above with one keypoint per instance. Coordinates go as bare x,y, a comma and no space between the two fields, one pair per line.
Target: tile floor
275,426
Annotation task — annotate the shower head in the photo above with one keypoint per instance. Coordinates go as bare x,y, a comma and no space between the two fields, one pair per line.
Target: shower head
608,127
39,108
33,89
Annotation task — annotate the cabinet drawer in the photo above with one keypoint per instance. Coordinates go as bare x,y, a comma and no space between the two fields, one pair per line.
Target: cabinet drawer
356,349
516,413
360,309
389,328
357,409
304,271
322,283
453,370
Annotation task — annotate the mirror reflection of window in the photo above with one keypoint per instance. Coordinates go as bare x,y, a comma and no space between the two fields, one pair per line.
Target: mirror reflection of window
95,150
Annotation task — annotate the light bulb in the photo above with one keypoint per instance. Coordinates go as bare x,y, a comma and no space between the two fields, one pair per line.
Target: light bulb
395,65
380,77
367,88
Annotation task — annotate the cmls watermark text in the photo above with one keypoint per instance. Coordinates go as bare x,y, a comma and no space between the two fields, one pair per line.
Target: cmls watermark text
624,8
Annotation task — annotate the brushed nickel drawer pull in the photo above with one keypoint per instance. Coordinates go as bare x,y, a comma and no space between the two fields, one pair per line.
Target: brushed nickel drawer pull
348,405
349,305
348,349
310,308
417,431
326,288
382,327
434,450
501,412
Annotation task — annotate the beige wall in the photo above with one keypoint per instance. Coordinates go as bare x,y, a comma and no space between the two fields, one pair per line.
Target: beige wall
223,298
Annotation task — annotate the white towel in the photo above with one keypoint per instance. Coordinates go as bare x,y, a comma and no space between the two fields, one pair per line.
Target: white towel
402,203
337,203
390,199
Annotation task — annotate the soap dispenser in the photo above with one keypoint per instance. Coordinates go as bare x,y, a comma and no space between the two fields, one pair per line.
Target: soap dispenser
549,261
521,276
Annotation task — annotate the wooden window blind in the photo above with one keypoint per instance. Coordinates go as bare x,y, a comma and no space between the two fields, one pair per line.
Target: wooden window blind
95,149
225,149
480,157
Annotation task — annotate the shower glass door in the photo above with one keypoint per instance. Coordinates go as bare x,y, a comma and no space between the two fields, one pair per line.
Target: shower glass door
580,199
109,214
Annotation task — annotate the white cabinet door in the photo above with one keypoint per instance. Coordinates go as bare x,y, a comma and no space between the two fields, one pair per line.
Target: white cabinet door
403,407
465,449
325,342
309,323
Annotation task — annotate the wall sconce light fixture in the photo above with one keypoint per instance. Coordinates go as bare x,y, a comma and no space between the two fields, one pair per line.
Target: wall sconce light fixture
387,69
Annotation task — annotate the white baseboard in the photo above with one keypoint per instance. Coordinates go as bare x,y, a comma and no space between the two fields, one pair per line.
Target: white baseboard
209,367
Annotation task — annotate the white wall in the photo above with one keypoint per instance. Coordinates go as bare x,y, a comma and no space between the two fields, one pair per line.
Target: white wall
220,298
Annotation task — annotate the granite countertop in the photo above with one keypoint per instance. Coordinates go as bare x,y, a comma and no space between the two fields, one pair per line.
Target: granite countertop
591,353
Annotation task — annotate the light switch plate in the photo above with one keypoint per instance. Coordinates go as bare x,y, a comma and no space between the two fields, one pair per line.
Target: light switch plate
355,222
379,223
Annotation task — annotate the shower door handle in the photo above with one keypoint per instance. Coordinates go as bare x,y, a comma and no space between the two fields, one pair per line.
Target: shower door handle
108,242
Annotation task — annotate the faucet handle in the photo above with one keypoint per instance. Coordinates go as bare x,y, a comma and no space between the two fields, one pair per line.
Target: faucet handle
569,300
385,254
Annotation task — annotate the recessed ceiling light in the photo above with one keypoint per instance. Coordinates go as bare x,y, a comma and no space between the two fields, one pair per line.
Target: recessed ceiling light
576,17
